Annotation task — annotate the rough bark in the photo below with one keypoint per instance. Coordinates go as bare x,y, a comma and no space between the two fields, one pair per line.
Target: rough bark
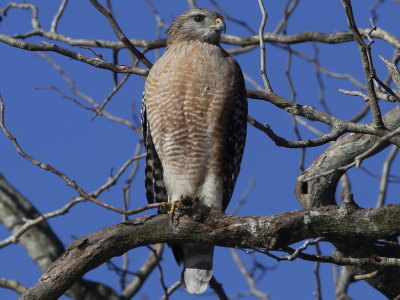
321,190
214,227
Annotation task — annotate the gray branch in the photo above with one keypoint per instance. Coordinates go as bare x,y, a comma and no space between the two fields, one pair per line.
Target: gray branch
214,227
320,191
96,62
316,187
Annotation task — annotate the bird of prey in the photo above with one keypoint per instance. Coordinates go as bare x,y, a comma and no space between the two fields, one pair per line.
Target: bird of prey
194,118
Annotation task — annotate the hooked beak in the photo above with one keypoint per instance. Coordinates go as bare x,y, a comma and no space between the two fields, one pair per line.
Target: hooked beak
219,25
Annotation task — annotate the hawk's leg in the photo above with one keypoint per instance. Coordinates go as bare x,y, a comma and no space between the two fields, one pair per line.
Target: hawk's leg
184,205
171,206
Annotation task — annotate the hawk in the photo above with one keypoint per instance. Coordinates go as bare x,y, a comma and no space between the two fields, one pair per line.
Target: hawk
194,118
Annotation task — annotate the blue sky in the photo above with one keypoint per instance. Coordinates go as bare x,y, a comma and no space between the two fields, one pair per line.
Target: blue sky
58,132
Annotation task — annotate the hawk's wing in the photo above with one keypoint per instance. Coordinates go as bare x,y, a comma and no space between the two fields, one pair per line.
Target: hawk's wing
154,182
236,138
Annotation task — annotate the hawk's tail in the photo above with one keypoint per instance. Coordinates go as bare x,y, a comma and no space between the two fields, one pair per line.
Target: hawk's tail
197,261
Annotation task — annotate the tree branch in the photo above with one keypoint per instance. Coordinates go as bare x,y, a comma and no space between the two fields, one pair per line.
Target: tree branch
96,62
213,227
120,34
368,67
313,114
320,190
12,285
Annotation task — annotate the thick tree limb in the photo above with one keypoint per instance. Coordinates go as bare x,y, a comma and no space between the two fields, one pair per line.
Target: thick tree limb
213,227
320,191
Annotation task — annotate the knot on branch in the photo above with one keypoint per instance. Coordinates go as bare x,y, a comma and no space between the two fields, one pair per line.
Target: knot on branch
348,204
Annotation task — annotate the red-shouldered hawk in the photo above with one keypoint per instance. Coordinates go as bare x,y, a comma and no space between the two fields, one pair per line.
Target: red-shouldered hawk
194,117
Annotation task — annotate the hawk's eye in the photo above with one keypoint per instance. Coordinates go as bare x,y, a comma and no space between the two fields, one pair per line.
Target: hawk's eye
198,18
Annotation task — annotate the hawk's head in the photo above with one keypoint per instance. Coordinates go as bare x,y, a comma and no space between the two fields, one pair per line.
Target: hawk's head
197,24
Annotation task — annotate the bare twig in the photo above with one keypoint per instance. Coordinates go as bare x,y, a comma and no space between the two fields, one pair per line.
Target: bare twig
252,81
289,9
319,79
300,249
35,12
67,97
377,145
160,24
120,34
143,273
307,125
322,68
378,92
262,46
354,93
318,290
366,276
279,141
391,179
293,96
64,177
161,272
113,180
369,71
249,279
383,186
57,17
172,288
99,109
244,196
12,285
29,223
374,9
344,261
342,285
393,71
89,100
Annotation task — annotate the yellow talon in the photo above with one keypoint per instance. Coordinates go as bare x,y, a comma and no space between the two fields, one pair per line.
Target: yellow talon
170,207
173,206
